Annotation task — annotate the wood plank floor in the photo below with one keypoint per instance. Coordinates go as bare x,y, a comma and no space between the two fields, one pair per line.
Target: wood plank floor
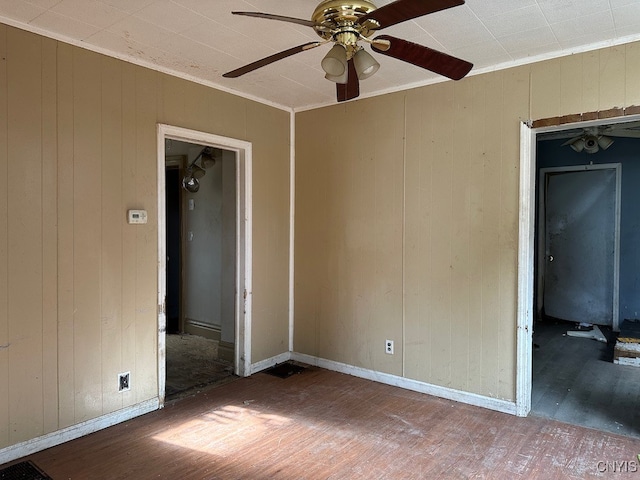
325,425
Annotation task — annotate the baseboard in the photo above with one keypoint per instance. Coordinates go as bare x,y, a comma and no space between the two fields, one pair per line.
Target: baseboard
58,437
499,405
212,332
270,362
226,351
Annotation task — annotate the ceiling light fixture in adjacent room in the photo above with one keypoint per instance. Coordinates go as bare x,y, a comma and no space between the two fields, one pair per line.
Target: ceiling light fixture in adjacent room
589,143
195,172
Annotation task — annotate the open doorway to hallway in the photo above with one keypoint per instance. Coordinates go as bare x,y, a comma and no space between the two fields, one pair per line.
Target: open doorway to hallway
587,268
201,209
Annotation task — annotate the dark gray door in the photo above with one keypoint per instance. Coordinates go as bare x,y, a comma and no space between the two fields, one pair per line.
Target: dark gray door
579,263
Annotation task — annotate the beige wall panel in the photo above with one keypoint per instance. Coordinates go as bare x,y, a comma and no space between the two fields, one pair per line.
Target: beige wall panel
24,111
488,241
477,209
66,357
515,111
270,315
87,234
4,280
632,74
129,232
591,82
198,110
49,235
418,235
612,78
454,269
312,213
145,381
353,221
173,104
113,221
440,193
546,78
571,83
373,247
461,233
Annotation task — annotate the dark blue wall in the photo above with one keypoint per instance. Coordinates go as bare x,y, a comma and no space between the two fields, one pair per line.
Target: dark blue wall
627,152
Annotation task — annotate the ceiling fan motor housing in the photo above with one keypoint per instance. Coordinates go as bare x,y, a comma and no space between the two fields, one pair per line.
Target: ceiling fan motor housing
342,16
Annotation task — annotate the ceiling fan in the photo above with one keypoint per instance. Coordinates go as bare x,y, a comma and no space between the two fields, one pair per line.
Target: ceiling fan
592,139
345,23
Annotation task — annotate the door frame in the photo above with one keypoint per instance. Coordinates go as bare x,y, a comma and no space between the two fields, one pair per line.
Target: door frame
526,247
616,239
244,249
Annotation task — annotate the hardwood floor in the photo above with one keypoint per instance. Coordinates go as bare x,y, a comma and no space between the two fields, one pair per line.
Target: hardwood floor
325,425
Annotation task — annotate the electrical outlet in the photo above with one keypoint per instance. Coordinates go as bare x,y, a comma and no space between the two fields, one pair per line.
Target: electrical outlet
123,382
388,347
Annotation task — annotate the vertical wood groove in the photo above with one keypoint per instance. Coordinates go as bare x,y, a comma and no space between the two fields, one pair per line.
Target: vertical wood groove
5,341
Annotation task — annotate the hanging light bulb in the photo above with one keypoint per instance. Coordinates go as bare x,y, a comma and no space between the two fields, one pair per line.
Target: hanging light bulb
190,184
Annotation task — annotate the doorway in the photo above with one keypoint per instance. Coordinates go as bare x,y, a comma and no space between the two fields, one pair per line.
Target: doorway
200,289
204,218
559,376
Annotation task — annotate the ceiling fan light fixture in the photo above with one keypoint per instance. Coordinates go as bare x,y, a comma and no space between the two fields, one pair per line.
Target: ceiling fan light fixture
335,61
577,145
591,144
365,64
604,142
338,78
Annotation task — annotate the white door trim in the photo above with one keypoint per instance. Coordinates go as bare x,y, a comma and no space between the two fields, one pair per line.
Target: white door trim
616,241
526,246
244,249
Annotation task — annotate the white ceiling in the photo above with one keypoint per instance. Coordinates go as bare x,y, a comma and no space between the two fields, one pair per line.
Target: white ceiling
200,39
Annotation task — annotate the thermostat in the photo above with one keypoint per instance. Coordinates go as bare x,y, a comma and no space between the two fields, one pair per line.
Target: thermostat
137,216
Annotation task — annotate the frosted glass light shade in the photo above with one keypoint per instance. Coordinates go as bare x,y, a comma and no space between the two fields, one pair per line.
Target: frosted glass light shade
365,64
335,61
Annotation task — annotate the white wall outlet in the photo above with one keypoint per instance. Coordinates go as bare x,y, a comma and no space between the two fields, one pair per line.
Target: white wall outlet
388,347
124,383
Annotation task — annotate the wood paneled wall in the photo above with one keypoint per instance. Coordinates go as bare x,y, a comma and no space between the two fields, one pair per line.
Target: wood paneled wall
78,285
407,218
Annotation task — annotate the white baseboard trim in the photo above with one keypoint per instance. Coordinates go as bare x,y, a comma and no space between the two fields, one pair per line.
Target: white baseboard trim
58,437
499,405
270,362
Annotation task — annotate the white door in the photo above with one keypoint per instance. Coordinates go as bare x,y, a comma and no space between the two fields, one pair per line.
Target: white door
580,211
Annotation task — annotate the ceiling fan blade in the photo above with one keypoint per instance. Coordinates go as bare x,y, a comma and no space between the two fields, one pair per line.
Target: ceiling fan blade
281,18
624,133
425,57
351,89
270,59
572,139
403,10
